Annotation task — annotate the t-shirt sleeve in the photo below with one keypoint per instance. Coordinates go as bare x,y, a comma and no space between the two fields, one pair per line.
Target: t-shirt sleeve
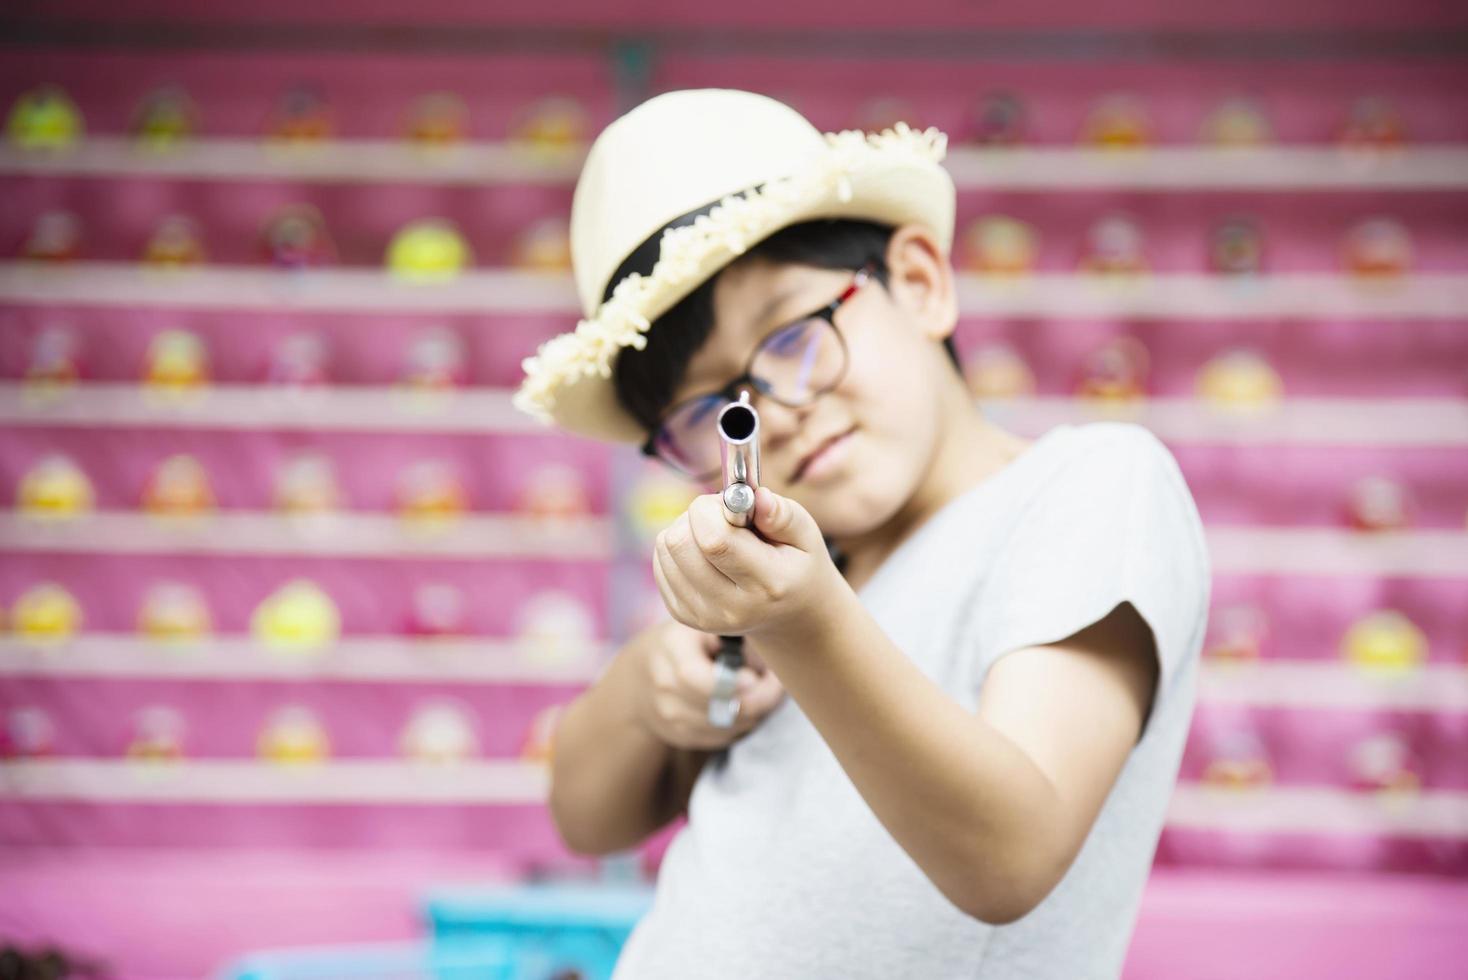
1115,523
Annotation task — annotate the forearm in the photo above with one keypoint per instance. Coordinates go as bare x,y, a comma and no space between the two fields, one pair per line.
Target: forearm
610,775
971,809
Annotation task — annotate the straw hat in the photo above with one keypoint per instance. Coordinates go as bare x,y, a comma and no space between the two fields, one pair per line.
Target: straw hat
677,189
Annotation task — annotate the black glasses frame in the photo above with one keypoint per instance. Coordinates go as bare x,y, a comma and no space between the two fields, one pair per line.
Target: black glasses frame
729,392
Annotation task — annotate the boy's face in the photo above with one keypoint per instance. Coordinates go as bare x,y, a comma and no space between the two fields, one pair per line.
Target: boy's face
888,407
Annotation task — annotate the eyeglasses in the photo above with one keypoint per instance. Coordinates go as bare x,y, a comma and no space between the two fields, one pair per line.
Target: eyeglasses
793,365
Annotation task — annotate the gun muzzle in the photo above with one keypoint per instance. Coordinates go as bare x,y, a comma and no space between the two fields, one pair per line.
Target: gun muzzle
738,425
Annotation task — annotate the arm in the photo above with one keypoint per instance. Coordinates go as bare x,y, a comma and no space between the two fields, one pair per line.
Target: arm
993,805
613,782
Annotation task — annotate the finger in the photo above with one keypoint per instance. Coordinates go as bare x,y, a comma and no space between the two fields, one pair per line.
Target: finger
698,575
670,598
733,551
763,696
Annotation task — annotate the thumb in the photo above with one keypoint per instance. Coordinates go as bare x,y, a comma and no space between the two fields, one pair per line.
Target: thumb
784,521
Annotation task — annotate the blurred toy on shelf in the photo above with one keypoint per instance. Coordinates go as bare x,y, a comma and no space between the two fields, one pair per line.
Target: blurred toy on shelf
1237,121
177,361
44,118
1117,121
553,124
1386,762
298,360
1237,633
884,112
655,500
44,613
556,629
55,360
1378,503
29,733
1116,372
178,241
302,116
431,490
1236,757
439,732
1377,247
999,120
297,617
293,734
295,237
996,370
175,612
1114,246
554,490
1236,247
166,117
437,609
1373,122
429,249
178,487
1239,379
545,246
438,119
540,736
1001,246
1384,640
54,486
307,484
56,236
157,734
435,360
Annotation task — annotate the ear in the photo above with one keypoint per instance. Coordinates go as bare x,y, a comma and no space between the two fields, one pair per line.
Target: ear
921,280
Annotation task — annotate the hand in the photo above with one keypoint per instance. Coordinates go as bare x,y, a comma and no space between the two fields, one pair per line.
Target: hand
725,580
680,676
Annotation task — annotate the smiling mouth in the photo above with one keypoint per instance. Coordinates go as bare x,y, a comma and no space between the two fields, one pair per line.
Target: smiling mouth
805,464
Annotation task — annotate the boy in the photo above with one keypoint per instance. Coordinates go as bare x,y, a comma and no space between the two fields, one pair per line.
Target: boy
972,656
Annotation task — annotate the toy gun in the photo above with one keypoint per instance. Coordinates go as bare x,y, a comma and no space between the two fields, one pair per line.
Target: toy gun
738,425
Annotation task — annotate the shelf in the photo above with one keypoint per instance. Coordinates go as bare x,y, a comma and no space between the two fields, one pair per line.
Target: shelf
349,781
327,162
488,291
1386,422
1332,551
1308,684
1312,421
1279,809
479,163
343,535
1202,168
237,658
1329,684
1318,810
1233,550
256,407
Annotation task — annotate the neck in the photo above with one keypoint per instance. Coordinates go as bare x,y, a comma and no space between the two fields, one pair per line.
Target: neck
969,450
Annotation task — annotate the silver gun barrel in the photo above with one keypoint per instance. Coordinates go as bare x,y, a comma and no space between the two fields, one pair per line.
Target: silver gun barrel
738,425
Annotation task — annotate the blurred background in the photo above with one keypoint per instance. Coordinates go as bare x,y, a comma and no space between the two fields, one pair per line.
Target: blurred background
291,595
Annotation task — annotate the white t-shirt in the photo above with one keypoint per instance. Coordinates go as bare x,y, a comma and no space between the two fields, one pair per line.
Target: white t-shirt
783,871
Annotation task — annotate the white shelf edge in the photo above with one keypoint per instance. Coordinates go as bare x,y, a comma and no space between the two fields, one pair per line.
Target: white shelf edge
1318,810
488,291
487,162
350,781
355,659
1332,552
341,534
1330,684
1164,168
1427,422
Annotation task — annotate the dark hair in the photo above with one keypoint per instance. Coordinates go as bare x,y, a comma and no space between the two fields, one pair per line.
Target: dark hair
646,379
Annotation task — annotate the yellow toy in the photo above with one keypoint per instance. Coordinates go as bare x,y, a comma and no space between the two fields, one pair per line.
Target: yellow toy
298,617
1239,379
1385,640
46,612
430,249
55,487
293,735
44,118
